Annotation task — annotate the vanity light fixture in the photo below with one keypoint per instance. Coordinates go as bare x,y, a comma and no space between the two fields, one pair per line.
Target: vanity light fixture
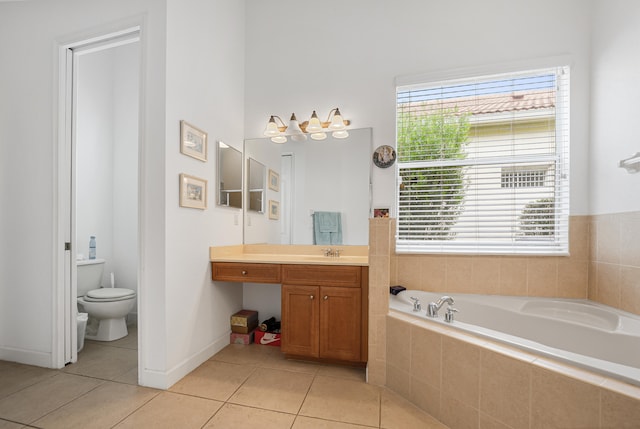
273,129
317,130
294,129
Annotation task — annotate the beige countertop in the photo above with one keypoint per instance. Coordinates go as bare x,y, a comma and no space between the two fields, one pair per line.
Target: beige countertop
289,254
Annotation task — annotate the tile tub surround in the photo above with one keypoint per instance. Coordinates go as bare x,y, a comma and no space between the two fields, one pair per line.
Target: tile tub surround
596,256
603,265
614,271
549,276
467,382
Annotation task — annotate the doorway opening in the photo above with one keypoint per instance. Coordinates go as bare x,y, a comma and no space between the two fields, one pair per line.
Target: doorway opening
99,170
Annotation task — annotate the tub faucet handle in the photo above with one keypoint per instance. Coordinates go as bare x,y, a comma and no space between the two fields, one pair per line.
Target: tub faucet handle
449,316
416,304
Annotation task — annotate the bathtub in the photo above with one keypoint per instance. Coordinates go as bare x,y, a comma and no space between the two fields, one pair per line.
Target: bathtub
579,332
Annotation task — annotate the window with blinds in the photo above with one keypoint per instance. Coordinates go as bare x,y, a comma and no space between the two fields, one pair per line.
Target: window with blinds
483,164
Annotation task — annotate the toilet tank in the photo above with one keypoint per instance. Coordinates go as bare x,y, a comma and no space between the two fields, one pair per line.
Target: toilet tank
89,275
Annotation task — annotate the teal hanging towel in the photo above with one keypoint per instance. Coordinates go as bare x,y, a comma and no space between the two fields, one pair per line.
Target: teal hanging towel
327,228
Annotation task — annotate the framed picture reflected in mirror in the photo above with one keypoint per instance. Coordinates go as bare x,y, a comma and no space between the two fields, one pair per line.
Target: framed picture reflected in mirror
274,181
274,210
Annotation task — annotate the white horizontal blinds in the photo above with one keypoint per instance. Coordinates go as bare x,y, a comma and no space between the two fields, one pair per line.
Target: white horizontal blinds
483,164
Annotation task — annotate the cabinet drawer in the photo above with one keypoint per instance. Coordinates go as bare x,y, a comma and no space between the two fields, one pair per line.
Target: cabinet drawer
329,275
241,272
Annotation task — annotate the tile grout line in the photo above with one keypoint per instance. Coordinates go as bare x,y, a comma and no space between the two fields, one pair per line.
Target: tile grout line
54,373
28,425
379,407
133,412
315,374
68,402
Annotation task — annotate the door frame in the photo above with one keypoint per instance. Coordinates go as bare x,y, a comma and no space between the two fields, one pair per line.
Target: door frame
64,326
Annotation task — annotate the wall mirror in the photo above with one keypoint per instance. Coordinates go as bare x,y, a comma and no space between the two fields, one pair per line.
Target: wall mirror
255,189
229,187
326,175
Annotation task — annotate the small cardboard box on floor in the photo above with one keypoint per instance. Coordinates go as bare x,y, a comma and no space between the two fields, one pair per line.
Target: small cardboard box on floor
245,339
243,326
244,321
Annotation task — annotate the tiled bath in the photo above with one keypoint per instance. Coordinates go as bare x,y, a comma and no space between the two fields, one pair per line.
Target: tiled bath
467,382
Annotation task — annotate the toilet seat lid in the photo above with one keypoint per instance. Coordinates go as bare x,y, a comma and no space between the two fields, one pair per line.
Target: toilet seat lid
110,293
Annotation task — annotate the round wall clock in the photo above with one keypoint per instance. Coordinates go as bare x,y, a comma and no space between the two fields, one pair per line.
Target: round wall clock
384,156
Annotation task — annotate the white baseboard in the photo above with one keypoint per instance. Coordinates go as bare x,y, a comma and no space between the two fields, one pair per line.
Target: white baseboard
27,357
165,379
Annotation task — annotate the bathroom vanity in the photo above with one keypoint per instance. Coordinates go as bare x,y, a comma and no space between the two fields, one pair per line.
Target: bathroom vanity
324,299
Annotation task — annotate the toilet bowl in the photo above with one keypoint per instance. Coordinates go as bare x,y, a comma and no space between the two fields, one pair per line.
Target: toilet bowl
107,307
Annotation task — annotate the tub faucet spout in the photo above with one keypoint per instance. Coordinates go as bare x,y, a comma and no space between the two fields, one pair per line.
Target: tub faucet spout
433,307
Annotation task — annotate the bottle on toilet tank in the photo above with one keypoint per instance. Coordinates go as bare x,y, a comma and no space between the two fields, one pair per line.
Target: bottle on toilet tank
92,247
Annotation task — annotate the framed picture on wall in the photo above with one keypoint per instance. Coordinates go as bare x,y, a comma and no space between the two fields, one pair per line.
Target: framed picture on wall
193,192
274,209
274,180
381,212
193,141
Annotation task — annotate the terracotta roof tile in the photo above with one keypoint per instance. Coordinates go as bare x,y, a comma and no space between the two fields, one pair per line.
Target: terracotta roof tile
490,103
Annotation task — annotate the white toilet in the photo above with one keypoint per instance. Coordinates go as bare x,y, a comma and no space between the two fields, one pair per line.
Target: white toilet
107,307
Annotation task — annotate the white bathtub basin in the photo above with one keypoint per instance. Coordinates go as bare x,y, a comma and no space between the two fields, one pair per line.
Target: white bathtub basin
581,332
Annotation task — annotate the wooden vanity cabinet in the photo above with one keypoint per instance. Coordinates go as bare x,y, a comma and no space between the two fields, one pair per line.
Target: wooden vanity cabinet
324,313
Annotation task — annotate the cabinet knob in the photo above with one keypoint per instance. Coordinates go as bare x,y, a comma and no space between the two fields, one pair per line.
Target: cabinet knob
310,296
326,297
244,273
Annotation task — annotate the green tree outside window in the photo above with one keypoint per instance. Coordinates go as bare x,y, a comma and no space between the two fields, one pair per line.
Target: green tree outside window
431,197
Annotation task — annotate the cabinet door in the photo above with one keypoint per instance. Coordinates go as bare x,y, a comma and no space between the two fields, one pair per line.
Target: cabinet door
300,306
340,323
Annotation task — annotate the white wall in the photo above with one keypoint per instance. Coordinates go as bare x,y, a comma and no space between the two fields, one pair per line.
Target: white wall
302,57
205,75
615,91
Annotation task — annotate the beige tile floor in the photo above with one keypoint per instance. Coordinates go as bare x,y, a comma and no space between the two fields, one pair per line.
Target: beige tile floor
240,387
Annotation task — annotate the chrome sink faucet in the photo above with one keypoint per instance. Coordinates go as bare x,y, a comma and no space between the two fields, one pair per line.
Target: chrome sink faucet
333,253
432,309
